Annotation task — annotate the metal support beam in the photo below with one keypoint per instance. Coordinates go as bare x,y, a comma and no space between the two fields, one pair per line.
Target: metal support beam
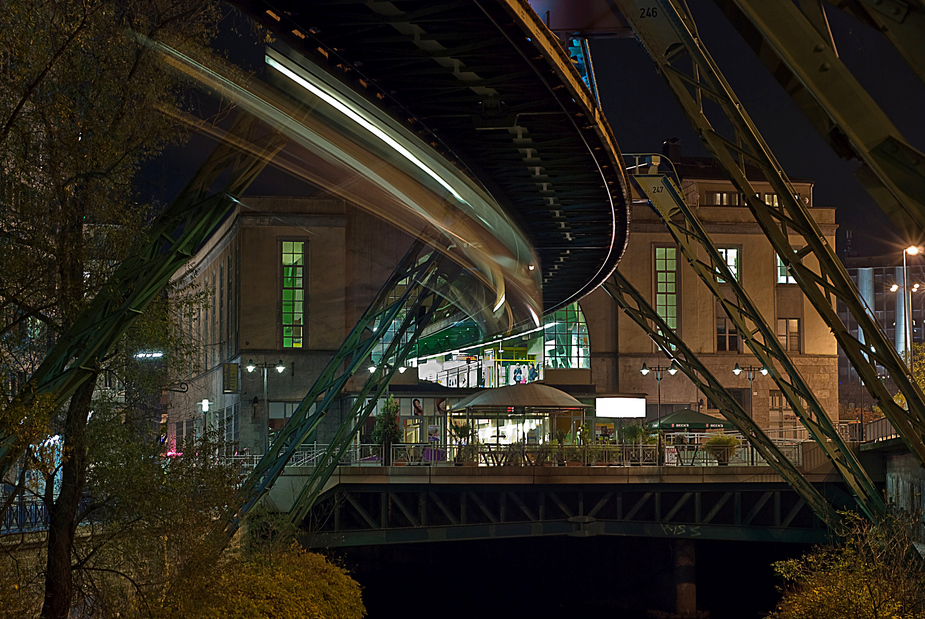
689,233
635,306
805,62
668,38
410,297
172,238
903,23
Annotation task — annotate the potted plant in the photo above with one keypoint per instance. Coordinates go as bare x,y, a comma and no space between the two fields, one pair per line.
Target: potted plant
634,434
462,434
386,431
722,447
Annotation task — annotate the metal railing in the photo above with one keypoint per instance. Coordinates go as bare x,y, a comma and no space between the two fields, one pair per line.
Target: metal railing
687,451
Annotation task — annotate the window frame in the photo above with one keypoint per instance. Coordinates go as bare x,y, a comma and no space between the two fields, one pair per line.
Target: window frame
298,310
676,283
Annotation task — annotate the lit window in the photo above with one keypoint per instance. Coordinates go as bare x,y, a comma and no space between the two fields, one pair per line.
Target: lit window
565,337
730,256
293,259
721,198
771,199
666,285
783,273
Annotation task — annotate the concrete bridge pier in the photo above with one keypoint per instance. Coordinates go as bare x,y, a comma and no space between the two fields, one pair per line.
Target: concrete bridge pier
685,578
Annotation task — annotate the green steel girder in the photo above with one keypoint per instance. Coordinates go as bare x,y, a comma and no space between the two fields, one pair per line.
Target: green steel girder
172,238
412,295
689,233
373,514
816,268
635,306
903,23
805,62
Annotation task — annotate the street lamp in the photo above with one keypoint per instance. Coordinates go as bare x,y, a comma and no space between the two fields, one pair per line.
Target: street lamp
659,372
280,368
912,250
750,372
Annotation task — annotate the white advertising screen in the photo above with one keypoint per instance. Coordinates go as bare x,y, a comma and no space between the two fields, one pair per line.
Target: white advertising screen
620,407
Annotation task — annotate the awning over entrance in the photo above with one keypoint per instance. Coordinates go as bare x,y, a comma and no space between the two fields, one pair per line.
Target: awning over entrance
687,419
530,397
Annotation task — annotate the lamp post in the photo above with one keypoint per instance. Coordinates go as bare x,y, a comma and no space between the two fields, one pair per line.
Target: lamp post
912,250
750,372
280,368
659,372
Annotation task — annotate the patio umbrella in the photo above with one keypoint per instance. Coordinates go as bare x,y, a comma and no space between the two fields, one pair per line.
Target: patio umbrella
687,419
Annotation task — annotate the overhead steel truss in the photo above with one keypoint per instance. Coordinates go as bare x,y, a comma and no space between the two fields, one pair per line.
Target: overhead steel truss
410,298
689,233
172,239
669,35
798,50
635,306
369,514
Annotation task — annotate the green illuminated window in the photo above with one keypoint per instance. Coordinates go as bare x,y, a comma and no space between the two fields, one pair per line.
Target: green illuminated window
565,335
293,290
666,285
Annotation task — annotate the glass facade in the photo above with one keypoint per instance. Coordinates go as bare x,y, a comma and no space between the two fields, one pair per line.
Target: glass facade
565,337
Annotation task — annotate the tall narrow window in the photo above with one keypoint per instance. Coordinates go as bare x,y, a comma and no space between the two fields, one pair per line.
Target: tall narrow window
666,285
230,347
788,333
727,338
293,258
730,256
221,311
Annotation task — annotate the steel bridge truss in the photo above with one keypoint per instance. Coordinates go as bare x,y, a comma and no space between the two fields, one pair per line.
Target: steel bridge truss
689,233
172,239
368,514
414,293
669,36
638,309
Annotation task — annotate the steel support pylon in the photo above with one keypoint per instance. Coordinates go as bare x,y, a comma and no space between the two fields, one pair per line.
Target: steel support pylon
411,296
635,306
689,233
172,238
669,35
798,50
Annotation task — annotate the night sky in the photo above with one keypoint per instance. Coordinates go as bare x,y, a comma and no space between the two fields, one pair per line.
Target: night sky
643,112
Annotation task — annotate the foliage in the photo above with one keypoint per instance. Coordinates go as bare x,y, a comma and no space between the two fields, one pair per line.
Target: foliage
386,430
291,584
634,433
872,573
918,370
722,446
81,110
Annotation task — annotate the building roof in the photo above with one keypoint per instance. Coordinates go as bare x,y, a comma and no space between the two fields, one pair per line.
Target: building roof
529,396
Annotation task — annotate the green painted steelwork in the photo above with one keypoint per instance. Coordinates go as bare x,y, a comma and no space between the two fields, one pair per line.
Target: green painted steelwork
173,237
903,23
383,513
410,297
638,309
668,38
800,54
689,233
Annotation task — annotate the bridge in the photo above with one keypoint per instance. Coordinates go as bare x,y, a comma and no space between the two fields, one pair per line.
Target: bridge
487,87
